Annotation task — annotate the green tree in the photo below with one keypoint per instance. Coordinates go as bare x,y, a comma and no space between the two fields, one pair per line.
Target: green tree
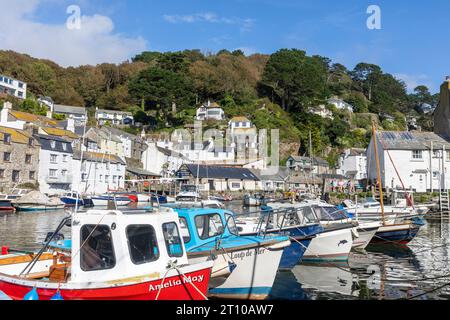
294,80
158,88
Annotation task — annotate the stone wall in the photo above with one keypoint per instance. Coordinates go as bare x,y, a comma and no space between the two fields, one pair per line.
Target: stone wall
17,163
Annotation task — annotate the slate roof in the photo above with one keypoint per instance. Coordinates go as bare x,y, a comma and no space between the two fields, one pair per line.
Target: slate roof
60,132
28,117
98,157
17,136
217,172
45,142
282,174
316,160
142,172
169,153
59,108
412,140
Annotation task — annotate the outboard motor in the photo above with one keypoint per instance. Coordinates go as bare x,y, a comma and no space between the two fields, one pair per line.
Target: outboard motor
58,237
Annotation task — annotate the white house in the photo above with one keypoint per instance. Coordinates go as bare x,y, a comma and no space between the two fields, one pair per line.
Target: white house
133,145
422,160
114,117
98,173
353,164
55,165
210,111
13,87
244,137
303,164
340,104
162,161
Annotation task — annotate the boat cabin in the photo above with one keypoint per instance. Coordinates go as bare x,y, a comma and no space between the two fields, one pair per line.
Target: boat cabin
118,246
124,243
203,226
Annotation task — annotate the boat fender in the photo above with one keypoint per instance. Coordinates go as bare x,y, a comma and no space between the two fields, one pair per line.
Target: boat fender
5,251
32,295
355,234
57,296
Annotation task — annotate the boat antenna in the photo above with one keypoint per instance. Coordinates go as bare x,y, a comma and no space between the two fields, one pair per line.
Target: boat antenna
377,159
81,159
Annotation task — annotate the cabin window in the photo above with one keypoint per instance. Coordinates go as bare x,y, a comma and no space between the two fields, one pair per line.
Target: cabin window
97,252
209,226
173,240
185,230
229,221
306,214
142,243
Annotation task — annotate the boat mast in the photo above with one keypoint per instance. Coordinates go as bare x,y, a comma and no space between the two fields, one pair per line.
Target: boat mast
377,160
81,161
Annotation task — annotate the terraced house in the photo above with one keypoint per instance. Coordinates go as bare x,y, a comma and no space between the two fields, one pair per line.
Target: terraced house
19,158
55,165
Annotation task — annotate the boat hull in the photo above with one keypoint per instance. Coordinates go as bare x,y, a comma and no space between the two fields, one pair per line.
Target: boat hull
174,287
32,208
254,274
331,245
402,233
72,202
300,237
365,236
103,201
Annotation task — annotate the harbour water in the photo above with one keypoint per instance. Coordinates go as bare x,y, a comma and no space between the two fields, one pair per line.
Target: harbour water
386,271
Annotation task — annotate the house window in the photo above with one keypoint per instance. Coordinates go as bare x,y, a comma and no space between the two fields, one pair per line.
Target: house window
53,158
52,173
63,173
2,173
448,155
7,138
32,175
100,178
114,179
28,158
417,155
7,156
84,177
106,178
15,176
64,158
64,146
53,144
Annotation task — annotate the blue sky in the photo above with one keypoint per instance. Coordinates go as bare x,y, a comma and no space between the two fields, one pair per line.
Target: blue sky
114,30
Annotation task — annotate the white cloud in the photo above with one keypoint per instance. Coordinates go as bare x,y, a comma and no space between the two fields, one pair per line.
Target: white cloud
413,81
245,24
95,42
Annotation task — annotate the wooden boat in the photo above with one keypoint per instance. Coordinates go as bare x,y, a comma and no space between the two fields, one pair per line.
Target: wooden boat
115,256
253,260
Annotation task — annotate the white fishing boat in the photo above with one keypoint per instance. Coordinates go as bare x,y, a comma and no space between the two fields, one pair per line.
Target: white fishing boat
335,242
103,200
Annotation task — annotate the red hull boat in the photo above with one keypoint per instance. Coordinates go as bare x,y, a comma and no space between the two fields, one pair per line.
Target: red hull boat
173,288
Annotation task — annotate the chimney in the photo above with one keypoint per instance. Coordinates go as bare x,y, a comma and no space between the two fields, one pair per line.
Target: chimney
5,112
71,124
